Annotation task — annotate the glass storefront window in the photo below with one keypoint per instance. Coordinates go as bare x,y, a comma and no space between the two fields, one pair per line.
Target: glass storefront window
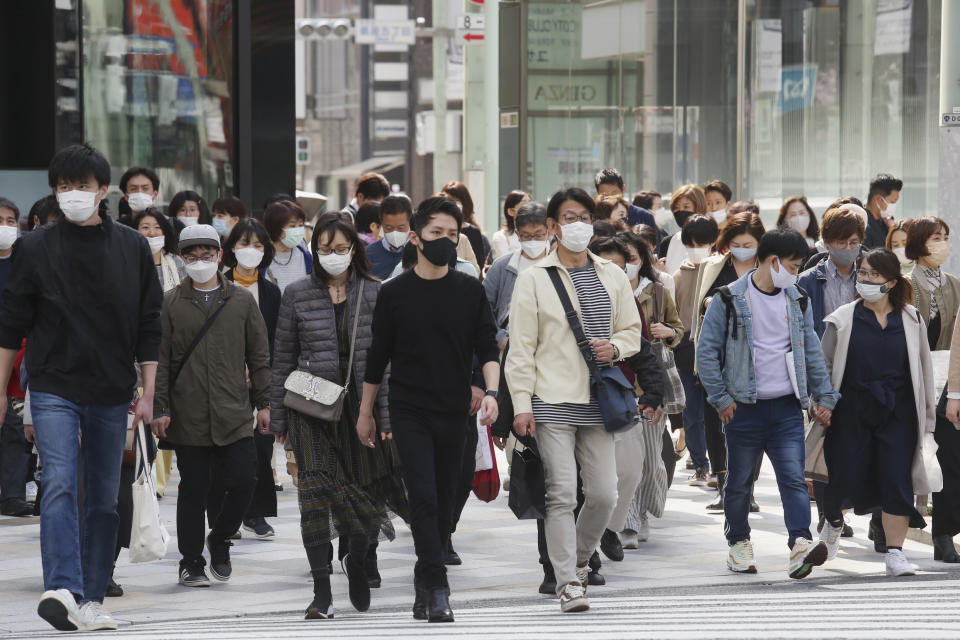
158,90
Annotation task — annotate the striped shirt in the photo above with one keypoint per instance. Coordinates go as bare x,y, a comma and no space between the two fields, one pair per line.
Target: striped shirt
596,316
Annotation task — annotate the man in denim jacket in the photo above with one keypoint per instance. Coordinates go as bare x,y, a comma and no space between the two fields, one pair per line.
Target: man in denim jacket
760,362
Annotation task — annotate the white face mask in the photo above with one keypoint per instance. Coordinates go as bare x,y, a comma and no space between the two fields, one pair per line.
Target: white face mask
189,221
696,255
397,239
156,243
871,292
799,223
77,206
901,253
8,235
633,270
719,216
891,209
534,248
201,272
139,201
335,264
576,236
249,257
782,278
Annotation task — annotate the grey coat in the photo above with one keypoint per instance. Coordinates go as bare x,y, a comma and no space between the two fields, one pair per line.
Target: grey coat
306,340
498,284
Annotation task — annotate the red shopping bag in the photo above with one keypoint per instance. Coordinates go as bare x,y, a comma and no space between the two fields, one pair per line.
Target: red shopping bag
486,483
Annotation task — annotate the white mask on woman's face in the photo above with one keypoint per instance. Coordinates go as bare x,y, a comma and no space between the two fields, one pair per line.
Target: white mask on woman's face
696,255
799,223
156,243
249,257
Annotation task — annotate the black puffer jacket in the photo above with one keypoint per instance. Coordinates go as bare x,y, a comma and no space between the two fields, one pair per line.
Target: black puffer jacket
306,340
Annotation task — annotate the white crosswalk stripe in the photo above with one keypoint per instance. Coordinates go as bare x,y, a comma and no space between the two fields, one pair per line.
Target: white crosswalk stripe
881,609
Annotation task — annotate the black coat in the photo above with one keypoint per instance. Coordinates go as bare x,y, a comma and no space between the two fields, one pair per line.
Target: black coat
269,295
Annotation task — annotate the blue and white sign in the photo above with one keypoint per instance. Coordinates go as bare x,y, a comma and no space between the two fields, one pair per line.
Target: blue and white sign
797,87
385,32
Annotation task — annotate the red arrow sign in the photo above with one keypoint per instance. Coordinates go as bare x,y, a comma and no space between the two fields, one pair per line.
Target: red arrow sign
472,36
477,1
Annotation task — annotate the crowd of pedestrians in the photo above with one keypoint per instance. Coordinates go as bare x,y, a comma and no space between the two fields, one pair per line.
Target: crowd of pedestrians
372,342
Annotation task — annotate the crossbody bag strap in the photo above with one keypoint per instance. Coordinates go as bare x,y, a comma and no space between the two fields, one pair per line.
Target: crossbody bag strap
353,336
196,341
575,325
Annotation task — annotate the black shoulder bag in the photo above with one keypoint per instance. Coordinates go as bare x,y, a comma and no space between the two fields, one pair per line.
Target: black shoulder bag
613,391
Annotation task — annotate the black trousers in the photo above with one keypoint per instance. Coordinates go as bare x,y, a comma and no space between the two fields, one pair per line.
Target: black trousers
467,469
430,446
263,504
14,458
716,442
236,464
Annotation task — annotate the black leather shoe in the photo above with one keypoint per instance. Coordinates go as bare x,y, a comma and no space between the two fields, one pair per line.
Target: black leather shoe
113,589
16,507
420,603
549,585
943,549
847,531
452,557
359,588
438,609
754,507
875,532
594,579
610,545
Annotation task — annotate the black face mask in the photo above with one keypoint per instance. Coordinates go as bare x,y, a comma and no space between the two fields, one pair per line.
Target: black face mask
681,217
440,252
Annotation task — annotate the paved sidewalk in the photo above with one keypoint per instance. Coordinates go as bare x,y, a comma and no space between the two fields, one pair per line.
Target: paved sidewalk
686,550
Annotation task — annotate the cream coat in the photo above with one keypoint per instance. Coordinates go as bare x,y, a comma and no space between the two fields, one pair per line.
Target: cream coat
543,357
925,473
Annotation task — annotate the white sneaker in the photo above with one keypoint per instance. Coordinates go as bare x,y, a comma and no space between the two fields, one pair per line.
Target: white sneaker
804,556
583,574
740,558
629,539
830,536
60,609
95,618
644,533
898,565
31,492
573,598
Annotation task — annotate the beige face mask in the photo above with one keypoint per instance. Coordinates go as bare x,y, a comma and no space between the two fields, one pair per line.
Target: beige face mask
939,252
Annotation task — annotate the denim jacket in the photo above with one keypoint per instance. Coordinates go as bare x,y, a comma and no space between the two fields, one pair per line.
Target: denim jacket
725,351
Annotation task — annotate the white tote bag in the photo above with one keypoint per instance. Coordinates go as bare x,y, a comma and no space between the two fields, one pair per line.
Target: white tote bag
148,537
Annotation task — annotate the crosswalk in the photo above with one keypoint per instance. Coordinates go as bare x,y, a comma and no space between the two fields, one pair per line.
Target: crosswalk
874,609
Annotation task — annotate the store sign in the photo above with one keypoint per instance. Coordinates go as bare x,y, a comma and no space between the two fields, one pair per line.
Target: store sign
797,85
567,92
386,32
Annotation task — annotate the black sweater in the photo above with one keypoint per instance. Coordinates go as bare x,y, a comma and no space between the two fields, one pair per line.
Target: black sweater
428,331
88,300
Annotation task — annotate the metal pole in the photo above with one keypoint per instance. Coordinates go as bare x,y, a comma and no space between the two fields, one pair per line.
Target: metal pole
440,39
365,83
491,89
949,120
741,96
673,146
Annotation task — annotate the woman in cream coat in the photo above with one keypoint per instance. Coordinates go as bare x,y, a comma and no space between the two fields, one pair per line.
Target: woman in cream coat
879,450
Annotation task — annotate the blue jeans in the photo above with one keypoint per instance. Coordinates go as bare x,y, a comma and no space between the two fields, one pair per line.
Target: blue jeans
693,428
774,427
81,563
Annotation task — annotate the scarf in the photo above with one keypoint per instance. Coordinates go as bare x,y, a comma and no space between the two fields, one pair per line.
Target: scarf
931,281
168,267
244,281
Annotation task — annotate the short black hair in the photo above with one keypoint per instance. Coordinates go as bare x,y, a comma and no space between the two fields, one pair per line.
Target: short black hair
277,197
133,172
720,187
531,213
786,244
373,186
576,194
610,244
430,208
409,257
171,238
884,184
393,205
77,162
608,176
603,229
43,210
182,198
6,203
367,215
699,229
244,228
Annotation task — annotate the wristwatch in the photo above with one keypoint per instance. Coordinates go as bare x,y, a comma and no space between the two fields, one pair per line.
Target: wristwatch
492,393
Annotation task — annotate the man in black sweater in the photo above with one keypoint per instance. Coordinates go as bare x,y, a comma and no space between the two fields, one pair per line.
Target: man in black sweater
428,324
85,293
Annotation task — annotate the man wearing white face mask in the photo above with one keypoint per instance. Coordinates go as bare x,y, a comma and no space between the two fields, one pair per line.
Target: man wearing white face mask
213,333
760,362
718,194
550,384
139,186
395,215
881,205
83,345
